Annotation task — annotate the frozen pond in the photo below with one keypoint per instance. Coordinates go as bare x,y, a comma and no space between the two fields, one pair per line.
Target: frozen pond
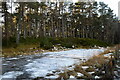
40,65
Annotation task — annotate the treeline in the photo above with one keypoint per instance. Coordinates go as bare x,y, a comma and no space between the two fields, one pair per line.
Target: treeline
59,19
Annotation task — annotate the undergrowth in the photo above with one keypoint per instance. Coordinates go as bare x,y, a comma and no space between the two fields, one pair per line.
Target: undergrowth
48,42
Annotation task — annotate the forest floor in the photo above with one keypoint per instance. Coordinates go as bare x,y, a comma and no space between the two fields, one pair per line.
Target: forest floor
21,50
31,49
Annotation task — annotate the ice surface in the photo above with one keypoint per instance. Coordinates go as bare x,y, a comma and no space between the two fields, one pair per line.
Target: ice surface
12,74
52,63
58,61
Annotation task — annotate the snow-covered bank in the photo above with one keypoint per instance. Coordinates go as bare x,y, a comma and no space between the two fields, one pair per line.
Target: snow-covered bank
59,61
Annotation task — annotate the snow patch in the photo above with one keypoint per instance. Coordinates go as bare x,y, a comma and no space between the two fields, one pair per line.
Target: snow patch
117,66
72,76
108,55
103,72
91,72
28,60
97,77
12,58
52,77
85,67
80,74
4,64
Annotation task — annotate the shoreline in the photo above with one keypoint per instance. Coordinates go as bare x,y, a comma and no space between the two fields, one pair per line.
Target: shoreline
41,51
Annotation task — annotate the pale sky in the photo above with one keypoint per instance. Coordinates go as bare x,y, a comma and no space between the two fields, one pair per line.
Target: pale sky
113,4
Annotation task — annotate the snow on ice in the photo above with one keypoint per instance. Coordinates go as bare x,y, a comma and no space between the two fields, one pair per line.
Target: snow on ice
59,61
12,74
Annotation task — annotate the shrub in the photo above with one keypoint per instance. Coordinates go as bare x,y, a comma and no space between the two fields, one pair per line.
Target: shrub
10,43
67,45
48,42
45,43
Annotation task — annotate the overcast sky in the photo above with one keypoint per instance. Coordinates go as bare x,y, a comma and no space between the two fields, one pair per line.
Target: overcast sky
113,4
